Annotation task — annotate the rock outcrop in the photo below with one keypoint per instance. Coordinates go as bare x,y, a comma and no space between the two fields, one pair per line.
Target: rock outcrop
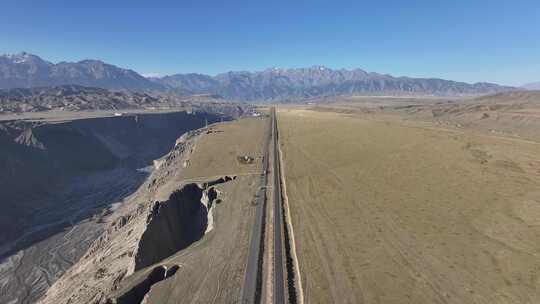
142,234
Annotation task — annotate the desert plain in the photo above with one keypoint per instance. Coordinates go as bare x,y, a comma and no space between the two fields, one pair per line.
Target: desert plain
388,207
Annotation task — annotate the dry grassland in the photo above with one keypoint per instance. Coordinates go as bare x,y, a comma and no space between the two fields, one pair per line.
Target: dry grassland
385,212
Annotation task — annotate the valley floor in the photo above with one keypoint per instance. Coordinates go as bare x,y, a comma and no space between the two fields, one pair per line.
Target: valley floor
387,211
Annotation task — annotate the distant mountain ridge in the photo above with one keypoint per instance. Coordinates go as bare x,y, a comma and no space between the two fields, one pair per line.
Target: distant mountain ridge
26,70
532,86
317,81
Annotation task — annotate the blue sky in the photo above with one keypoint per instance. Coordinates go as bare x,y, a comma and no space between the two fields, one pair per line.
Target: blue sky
496,41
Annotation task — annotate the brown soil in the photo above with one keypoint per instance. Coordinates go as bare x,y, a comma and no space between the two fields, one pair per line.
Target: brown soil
393,211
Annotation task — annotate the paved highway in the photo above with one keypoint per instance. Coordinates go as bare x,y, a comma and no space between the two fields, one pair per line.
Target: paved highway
252,288
279,278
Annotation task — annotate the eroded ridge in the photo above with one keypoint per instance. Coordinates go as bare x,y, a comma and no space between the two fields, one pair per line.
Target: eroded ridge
139,291
173,225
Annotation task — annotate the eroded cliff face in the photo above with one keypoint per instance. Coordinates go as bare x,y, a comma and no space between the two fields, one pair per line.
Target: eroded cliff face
61,180
194,214
39,160
172,225
142,234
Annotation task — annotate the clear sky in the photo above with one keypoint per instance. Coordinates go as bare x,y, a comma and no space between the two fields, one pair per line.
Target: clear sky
475,40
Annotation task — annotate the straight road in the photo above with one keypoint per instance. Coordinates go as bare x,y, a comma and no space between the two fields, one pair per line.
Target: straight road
279,265
252,288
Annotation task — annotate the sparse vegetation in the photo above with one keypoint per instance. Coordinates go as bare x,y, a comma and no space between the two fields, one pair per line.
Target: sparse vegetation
408,212
245,159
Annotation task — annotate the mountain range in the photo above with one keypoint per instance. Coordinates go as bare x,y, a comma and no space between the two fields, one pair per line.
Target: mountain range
532,86
26,71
